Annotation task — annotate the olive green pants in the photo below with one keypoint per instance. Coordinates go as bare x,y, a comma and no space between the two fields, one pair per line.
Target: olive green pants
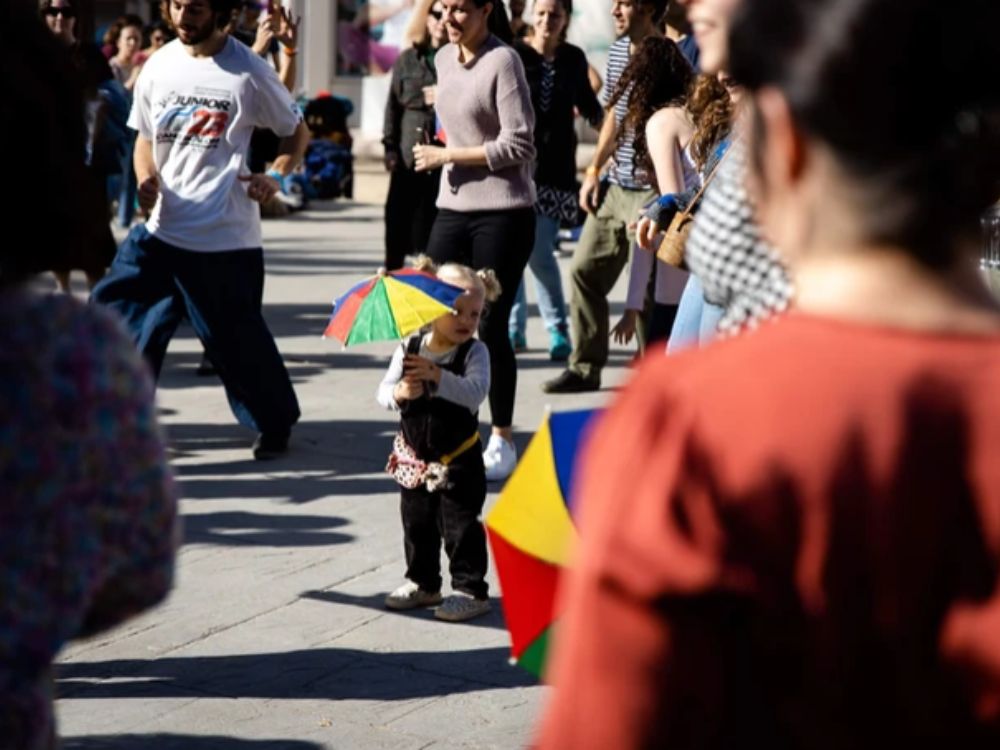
603,251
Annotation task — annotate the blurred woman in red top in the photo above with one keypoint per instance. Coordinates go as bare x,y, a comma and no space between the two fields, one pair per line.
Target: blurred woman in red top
792,539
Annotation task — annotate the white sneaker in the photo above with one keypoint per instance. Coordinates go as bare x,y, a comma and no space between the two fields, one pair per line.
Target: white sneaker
411,596
500,459
461,607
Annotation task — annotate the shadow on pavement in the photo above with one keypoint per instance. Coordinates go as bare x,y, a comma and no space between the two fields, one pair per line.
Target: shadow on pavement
493,619
264,530
319,673
179,742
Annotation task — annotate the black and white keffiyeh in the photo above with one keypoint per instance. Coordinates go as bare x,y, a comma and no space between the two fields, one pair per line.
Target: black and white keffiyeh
739,271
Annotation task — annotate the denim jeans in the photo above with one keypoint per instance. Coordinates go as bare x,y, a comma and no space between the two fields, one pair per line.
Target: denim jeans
153,285
548,284
696,321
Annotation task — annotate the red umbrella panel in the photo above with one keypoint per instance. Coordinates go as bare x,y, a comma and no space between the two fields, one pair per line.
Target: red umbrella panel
531,534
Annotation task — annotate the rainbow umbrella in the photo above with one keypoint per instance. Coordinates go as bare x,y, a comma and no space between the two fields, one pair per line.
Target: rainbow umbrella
390,306
531,534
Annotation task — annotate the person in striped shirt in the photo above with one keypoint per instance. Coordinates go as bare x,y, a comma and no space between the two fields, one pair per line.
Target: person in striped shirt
606,238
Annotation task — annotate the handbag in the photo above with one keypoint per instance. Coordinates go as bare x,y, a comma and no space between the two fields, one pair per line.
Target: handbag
671,249
411,472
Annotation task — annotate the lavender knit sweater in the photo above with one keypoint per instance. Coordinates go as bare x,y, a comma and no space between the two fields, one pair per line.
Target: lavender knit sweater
486,102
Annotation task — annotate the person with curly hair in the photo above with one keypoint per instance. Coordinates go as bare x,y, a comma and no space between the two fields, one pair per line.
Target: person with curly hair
659,77
712,105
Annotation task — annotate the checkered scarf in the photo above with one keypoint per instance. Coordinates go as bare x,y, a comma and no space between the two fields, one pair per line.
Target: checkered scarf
739,271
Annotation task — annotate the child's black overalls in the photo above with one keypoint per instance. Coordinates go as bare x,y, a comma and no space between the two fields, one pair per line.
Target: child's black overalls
434,427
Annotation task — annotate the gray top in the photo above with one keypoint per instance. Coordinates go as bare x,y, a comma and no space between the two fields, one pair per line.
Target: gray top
486,101
469,390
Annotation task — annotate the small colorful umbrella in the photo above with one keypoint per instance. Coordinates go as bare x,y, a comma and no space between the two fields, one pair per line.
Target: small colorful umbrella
390,306
531,534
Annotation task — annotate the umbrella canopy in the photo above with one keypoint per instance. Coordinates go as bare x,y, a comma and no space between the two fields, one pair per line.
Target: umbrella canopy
390,306
531,533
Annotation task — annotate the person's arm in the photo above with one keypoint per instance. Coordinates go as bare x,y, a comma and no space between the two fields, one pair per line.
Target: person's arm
386,389
145,173
291,150
605,148
393,120
585,99
664,131
472,388
515,144
468,390
287,35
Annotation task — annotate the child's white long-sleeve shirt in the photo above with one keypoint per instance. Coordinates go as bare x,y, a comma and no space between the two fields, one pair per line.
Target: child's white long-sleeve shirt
468,390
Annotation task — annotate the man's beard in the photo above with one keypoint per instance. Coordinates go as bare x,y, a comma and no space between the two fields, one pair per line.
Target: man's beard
199,34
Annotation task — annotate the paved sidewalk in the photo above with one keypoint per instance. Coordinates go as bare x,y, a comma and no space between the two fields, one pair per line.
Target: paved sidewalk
275,635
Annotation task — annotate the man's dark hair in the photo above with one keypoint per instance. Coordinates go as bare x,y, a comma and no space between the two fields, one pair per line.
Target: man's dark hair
659,10
224,10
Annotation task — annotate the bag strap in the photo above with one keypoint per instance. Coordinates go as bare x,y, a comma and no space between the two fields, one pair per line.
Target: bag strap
413,345
704,185
468,443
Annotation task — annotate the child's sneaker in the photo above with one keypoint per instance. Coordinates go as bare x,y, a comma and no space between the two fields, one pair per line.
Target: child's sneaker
460,607
411,596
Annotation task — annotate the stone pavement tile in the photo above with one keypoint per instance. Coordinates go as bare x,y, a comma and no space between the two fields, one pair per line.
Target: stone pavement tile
176,741
92,703
487,719
477,650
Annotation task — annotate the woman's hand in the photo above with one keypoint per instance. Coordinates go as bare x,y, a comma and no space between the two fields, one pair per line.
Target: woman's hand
589,193
427,158
265,34
286,28
430,95
421,368
645,233
623,332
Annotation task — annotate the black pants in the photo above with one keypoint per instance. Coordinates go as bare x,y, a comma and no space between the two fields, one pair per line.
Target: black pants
501,240
153,285
452,515
409,213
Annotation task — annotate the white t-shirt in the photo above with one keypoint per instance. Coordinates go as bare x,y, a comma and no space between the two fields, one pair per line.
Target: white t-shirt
199,113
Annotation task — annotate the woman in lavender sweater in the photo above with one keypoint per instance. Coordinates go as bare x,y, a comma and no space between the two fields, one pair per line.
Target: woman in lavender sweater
485,205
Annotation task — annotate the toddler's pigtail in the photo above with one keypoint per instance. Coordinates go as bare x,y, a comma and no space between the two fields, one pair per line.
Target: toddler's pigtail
424,263
490,283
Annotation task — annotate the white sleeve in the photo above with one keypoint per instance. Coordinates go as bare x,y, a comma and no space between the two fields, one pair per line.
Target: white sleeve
392,376
275,108
140,117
